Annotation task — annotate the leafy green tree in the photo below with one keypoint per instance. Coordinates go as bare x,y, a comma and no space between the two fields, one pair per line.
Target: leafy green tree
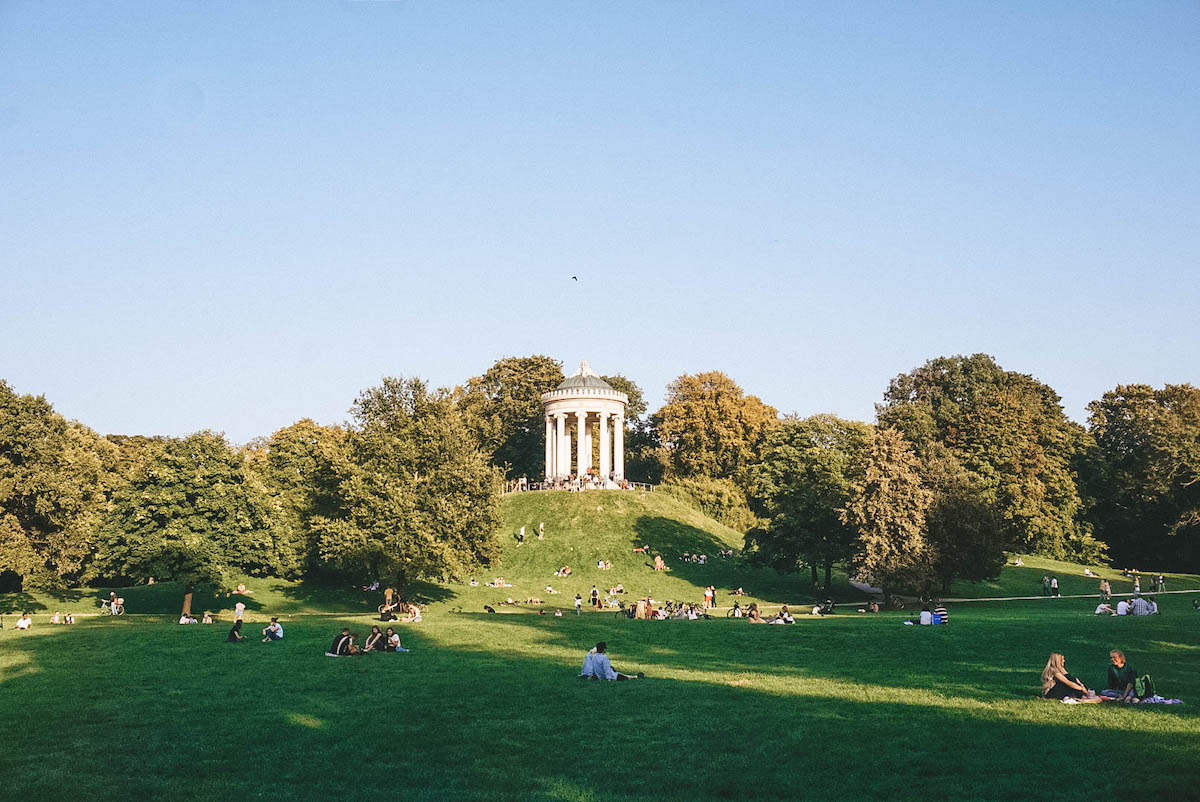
55,478
963,529
644,457
801,485
297,467
193,512
1008,432
503,408
1144,473
887,508
416,497
710,427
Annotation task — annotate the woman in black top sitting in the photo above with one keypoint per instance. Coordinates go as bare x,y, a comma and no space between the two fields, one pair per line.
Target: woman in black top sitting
235,634
375,641
1121,676
1058,684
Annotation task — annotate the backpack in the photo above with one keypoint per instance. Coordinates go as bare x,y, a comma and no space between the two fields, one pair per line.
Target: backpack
1143,686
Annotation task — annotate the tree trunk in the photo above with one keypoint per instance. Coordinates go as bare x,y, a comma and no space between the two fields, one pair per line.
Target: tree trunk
187,603
828,576
816,583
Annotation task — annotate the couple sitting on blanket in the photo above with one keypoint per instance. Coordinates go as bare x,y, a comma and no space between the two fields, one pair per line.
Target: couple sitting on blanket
1123,683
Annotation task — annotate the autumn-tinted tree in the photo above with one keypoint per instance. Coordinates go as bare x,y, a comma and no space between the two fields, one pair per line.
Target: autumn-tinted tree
801,485
1144,474
192,512
1009,433
503,408
416,497
886,510
55,476
710,427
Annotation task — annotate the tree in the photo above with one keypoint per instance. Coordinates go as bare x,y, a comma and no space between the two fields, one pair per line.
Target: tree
710,427
887,509
643,455
296,466
1144,473
965,535
503,408
1008,431
55,479
192,512
416,497
801,485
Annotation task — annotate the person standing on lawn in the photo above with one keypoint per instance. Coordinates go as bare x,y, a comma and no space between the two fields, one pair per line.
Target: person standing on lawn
1045,585
1054,586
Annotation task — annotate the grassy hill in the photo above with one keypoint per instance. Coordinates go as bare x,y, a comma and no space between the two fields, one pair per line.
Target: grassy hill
585,528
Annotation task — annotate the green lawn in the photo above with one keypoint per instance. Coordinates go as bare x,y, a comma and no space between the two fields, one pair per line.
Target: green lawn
488,707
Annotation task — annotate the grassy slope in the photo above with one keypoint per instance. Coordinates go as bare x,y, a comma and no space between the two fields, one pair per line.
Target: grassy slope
1026,580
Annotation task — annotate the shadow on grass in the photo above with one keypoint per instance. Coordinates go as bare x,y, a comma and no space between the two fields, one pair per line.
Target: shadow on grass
489,721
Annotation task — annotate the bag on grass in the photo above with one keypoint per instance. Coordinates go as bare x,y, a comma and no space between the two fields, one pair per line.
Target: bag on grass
1143,686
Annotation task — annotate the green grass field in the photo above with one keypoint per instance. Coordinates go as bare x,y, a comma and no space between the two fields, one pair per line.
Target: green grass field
489,707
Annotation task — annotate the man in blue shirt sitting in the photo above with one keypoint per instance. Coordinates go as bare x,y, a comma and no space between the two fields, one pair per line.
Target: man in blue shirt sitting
596,665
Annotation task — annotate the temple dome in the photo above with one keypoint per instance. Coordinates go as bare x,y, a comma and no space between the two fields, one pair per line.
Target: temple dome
585,378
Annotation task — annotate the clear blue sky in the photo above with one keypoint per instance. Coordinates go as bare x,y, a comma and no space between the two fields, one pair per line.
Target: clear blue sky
231,215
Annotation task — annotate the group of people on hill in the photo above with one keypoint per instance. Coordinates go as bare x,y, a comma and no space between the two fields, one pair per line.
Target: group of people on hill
1122,683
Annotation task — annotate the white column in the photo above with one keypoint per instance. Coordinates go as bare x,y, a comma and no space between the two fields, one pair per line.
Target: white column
549,448
583,459
561,463
605,450
619,446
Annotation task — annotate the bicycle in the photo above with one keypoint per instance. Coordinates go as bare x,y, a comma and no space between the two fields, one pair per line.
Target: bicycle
118,608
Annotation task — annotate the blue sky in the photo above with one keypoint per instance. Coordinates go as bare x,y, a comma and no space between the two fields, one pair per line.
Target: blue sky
233,215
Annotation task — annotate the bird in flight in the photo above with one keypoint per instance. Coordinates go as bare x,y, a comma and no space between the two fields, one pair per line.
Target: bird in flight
574,278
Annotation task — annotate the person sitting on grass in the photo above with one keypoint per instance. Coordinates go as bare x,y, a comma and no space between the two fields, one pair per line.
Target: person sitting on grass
235,634
375,641
273,631
1104,608
753,615
341,644
207,619
827,608
1122,679
659,565
412,614
1058,684
597,666
69,618
186,619
24,622
1139,606
1123,607
926,616
393,641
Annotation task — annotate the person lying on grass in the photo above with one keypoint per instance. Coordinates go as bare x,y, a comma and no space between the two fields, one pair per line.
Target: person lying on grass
1122,678
597,666
235,634
1058,684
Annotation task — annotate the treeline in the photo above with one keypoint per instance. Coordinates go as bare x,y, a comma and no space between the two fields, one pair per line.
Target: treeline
966,460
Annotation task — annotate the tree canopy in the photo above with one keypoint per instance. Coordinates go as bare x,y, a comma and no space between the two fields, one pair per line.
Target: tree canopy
415,496
1144,473
801,485
1008,431
710,427
503,409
